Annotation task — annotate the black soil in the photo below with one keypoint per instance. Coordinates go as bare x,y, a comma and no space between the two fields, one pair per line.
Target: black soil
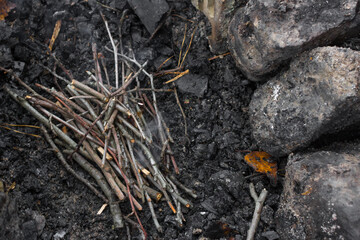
209,157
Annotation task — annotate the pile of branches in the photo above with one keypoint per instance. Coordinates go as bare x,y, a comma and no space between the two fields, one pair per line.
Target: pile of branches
109,136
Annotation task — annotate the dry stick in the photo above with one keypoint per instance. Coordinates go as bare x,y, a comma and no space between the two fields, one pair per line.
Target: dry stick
153,215
96,174
117,144
115,51
98,83
48,104
127,83
138,226
107,139
97,65
89,90
182,110
157,173
259,202
72,127
10,71
117,169
131,198
88,106
105,169
54,74
163,192
67,72
149,89
167,130
103,63
173,160
109,111
153,193
132,128
130,113
168,71
142,118
40,117
68,167
189,191
60,95
188,48
135,169
89,130
179,215
182,45
122,19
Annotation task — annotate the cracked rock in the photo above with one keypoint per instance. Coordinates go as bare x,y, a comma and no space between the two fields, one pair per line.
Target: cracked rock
265,34
318,94
321,196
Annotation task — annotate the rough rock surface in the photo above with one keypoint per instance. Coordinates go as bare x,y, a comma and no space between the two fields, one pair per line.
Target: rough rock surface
321,196
149,12
193,83
265,34
318,94
9,219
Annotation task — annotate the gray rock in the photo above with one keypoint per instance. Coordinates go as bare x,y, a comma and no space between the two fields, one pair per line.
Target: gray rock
193,83
321,196
149,12
265,34
9,219
318,94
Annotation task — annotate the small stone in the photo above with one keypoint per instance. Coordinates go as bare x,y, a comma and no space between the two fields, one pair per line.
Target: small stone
150,12
193,83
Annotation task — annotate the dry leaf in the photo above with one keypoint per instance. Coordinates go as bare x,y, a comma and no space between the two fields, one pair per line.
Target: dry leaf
259,161
5,7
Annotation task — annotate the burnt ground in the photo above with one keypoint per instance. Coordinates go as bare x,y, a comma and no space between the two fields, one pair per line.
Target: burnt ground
212,153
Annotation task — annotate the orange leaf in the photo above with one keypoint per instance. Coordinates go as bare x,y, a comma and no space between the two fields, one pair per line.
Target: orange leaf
259,161
55,34
5,7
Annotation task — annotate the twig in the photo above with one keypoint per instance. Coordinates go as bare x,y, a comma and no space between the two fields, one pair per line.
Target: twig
115,49
182,111
259,202
68,167
96,174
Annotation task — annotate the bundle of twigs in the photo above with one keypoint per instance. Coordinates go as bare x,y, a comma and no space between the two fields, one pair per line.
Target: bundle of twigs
109,135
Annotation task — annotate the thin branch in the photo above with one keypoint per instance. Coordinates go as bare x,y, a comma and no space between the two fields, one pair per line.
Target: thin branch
259,202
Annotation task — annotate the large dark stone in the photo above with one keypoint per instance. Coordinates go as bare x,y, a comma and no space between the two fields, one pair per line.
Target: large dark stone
265,34
149,12
318,94
321,198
